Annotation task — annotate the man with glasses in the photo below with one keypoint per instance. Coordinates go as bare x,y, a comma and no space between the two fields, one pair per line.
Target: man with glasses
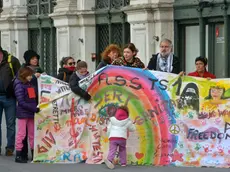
165,61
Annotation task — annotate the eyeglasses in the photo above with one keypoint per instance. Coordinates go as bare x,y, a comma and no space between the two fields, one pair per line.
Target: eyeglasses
71,63
164,46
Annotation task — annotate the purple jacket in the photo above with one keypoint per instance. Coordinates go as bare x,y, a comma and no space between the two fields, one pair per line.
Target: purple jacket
26,106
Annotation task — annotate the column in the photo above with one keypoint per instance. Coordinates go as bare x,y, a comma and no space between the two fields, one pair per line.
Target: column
14,27
75,23
149,23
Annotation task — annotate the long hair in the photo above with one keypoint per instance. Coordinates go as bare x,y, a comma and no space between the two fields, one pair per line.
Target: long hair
209,93
108,49
23,73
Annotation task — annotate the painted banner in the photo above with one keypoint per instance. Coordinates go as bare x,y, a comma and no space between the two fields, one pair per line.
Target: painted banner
180,121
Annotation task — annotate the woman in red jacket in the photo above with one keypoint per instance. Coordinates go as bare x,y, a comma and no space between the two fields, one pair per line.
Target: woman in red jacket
201,71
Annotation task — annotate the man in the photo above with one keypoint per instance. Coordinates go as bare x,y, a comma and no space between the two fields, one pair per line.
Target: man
201,71
7,102
165,61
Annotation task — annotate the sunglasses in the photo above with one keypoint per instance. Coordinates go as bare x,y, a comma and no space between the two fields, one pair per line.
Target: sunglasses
71,63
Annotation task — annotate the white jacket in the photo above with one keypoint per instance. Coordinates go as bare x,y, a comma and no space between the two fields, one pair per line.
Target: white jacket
119,128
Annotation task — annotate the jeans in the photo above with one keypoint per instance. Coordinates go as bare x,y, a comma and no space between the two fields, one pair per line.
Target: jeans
113,145
9,107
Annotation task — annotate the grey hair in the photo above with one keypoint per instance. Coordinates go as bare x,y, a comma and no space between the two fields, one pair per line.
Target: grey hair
168,41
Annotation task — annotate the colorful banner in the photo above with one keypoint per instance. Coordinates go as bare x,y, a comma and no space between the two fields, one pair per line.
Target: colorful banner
180,121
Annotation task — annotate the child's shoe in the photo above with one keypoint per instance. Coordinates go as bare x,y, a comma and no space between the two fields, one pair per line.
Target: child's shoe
109,164
19,158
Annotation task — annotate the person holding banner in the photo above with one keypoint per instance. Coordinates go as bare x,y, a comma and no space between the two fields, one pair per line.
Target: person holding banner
26,108
81,73
118,129
109,55
129,59
165,60
201,71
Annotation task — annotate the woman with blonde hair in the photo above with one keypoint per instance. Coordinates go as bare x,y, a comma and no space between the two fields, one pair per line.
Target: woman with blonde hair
111,53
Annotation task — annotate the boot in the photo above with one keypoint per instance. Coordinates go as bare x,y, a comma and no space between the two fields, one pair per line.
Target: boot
32,154
19,158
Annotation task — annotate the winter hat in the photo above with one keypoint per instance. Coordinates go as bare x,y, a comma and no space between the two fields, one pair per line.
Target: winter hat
29,54
121,114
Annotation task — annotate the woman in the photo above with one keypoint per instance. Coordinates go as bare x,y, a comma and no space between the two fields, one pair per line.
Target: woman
201,71
67,68
129,58
109,55
32,61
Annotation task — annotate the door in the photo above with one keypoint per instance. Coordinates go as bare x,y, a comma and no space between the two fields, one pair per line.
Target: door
221,67
42,33
111,24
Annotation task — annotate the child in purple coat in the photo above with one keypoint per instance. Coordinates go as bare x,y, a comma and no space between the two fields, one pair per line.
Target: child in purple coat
26,108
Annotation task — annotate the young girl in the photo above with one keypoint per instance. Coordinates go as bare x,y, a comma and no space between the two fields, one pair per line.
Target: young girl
67,68
26,107
80,73
118,128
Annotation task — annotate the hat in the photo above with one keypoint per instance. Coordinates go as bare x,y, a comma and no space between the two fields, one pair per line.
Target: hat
29,54
121,114
203,59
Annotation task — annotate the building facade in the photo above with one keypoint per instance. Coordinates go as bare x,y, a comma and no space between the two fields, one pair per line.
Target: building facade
83,28
202,28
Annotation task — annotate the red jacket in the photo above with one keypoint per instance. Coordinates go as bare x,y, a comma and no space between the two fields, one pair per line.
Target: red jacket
206,75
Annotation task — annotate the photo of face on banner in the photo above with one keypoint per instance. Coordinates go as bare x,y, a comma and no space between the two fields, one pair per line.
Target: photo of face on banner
216,93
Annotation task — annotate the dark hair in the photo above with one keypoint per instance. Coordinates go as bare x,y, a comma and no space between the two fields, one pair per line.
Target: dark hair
78,60
203,59
64,60
81,64
24,72
132,47
125,108
108,49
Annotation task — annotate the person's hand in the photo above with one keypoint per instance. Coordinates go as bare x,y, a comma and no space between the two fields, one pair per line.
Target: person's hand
182,73
37,75
145,68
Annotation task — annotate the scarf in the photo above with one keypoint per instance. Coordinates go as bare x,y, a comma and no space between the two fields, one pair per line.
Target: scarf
70,68
164,64
82,76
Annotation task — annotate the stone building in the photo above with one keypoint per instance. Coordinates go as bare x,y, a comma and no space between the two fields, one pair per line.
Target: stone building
83,28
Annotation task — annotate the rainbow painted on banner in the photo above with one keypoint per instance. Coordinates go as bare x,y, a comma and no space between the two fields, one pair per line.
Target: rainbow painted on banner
180,121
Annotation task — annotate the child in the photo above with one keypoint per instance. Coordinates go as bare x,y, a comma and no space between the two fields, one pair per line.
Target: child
67,68
26,107
118,128
81,73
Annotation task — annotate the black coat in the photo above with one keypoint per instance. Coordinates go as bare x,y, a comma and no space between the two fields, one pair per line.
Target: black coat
74,85
64,74
6,75
176,64
102,64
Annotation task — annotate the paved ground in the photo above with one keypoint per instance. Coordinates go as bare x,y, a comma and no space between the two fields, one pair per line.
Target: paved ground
7,164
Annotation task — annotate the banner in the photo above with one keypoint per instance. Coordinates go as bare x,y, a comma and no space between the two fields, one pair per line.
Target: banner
180,121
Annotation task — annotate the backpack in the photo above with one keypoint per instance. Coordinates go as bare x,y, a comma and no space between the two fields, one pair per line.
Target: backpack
10,88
